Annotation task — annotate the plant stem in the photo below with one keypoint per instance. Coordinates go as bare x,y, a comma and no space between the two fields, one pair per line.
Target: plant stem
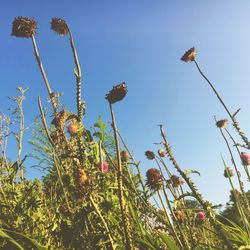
235,123
103,221
78,76
120,185
38,59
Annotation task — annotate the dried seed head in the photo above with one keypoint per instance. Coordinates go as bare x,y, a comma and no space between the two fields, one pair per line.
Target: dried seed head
189,55
24,27
161,152
150,155
59,26
117,93
245,158
234,193
228,172
154,179
82,179
176,181
60,119
222,123
124,156
180,215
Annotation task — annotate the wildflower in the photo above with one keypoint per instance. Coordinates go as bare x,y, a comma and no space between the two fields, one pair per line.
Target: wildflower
124,156
176,181
154,179
201,215
189,55
72,129
150,155
59,26
228,172
245,158
161,152
103,167
222,123
117,93
24,27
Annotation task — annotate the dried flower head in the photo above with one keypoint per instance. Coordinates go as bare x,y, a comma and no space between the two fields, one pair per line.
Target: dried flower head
201,215
180,215
59,26
245,158
60,119
150,155
154,179
103,167
117,93
81,179
222,123
234,193
189,55
24,27
124,156
161,152
176,181
228,172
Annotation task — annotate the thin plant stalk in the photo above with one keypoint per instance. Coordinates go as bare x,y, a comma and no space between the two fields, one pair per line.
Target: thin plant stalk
206,206
38,59
135,163
232,117
103,222
78,76
169,221
184,240
237,148
120,184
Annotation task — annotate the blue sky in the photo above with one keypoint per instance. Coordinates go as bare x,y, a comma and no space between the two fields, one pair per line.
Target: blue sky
140,42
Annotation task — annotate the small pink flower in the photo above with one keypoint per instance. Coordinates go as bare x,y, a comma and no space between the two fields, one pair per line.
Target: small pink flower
245,158
201,215
103,167
72,128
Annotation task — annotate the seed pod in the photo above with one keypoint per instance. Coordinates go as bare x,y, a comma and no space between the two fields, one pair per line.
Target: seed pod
124,156
228,172
222,123
161,152
189,55
150,155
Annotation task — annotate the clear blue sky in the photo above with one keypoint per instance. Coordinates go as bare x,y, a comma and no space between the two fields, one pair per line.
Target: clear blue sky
140,42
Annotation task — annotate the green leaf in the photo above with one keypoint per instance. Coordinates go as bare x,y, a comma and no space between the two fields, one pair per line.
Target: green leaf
10,239
168,241
28,239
